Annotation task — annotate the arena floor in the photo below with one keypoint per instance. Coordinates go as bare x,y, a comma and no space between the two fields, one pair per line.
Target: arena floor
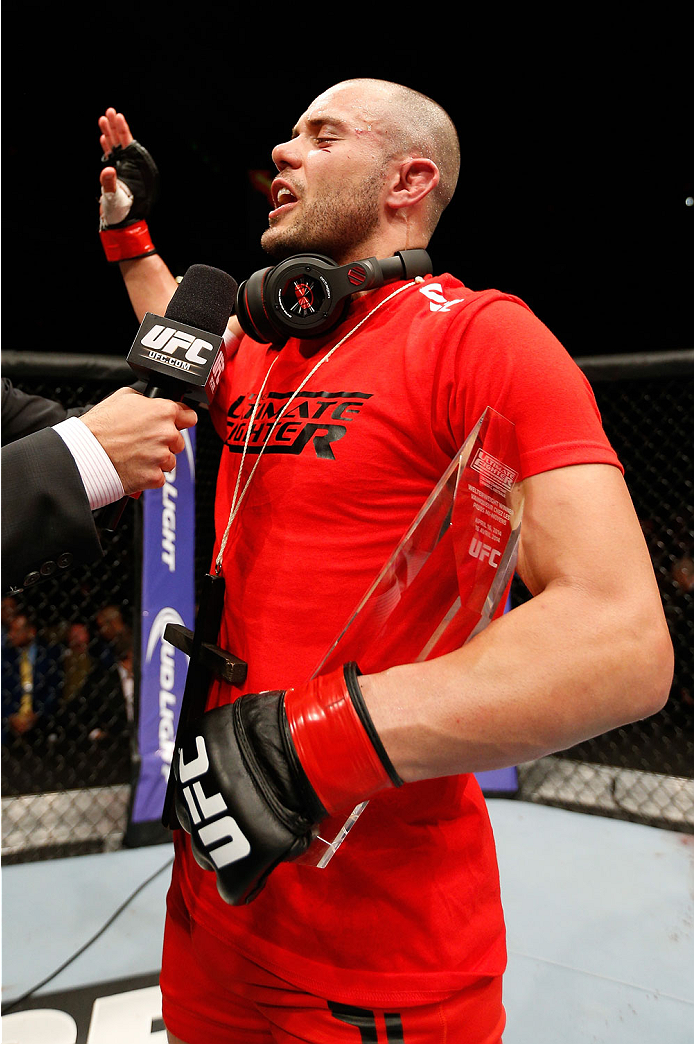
600,918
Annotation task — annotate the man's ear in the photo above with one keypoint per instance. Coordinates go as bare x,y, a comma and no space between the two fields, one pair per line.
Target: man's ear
415,179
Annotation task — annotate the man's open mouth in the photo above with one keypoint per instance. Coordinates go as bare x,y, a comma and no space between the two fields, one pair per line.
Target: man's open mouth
282,197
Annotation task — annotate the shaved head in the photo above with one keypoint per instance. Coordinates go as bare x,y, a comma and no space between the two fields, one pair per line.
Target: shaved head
413,124
368,169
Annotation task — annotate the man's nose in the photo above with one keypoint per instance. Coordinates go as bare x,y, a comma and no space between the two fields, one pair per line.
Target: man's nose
286,155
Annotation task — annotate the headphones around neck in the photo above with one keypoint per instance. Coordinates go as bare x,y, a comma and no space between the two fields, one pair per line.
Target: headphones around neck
308,294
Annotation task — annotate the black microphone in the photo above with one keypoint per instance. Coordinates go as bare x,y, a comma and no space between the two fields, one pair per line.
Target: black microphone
180,354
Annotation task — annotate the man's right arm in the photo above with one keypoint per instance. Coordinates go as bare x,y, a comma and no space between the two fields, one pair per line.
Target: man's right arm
54,478
23,413
149,283
148,280
128,191
141,436
47,524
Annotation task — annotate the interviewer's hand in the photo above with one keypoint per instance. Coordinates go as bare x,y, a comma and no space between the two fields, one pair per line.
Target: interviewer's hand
140,435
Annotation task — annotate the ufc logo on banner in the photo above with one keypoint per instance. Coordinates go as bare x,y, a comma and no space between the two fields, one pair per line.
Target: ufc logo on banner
223,839
167,339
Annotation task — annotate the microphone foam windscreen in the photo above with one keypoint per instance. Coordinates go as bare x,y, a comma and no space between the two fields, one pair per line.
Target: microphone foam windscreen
205,298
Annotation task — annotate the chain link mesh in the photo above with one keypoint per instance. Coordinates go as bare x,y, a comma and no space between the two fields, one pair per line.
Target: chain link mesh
67,735
643,772
67,761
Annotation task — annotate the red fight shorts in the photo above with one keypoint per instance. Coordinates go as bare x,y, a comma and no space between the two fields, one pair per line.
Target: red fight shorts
212,994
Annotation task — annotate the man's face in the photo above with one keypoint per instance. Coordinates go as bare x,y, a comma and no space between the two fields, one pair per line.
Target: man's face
78,638
21,632
109,623
9,610
328,195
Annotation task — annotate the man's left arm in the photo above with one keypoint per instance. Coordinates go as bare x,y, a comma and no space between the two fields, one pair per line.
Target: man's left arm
590,652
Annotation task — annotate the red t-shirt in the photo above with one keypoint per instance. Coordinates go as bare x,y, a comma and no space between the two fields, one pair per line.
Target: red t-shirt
409,907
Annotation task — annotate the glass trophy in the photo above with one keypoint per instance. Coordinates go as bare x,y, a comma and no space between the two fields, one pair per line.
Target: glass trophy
444,581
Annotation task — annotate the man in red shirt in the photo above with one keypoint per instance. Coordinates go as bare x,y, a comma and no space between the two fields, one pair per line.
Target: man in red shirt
401,937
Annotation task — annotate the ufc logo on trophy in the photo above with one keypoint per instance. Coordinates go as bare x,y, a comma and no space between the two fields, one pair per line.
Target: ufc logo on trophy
168,339
481,551
223,839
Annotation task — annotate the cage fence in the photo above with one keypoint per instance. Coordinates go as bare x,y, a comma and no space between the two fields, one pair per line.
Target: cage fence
67,764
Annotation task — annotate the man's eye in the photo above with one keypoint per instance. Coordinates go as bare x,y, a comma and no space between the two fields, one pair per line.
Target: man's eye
324,141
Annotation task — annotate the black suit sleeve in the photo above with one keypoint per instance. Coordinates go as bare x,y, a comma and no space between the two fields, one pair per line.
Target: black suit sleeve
47,524
23,414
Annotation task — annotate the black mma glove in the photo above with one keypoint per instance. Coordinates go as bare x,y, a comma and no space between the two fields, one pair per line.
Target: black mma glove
255,778
123,228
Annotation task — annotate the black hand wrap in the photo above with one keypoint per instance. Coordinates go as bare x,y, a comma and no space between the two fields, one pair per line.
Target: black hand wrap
136,169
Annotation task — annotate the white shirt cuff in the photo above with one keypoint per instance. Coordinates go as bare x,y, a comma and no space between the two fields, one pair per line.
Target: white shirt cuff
101,480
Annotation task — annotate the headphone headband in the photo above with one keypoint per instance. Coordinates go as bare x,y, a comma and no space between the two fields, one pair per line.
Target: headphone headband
307,295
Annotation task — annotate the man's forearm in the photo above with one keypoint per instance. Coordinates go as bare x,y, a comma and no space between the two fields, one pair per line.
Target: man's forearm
588,653
563,667
149,283
151,286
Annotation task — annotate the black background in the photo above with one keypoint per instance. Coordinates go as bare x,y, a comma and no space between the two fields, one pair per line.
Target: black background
576,159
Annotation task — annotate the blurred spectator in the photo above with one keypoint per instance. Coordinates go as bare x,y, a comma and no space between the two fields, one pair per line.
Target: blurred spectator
9,610
683,573
93,713
32,679
118,636
78,663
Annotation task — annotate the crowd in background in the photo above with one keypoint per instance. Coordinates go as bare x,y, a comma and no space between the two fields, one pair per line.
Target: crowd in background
68,686
67,699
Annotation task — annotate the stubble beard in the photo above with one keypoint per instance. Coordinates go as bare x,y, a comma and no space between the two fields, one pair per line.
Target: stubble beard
336,224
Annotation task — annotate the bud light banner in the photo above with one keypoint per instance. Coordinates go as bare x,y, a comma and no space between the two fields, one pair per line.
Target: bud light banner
167,596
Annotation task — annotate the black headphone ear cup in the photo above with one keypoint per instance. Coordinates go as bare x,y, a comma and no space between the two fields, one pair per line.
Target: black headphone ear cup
251,309
307,295
300,296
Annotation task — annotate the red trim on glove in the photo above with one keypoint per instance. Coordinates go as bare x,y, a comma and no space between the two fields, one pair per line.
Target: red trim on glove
333,746
127,244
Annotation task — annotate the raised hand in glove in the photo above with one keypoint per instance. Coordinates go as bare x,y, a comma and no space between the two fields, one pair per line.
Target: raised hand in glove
129,186
255,778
